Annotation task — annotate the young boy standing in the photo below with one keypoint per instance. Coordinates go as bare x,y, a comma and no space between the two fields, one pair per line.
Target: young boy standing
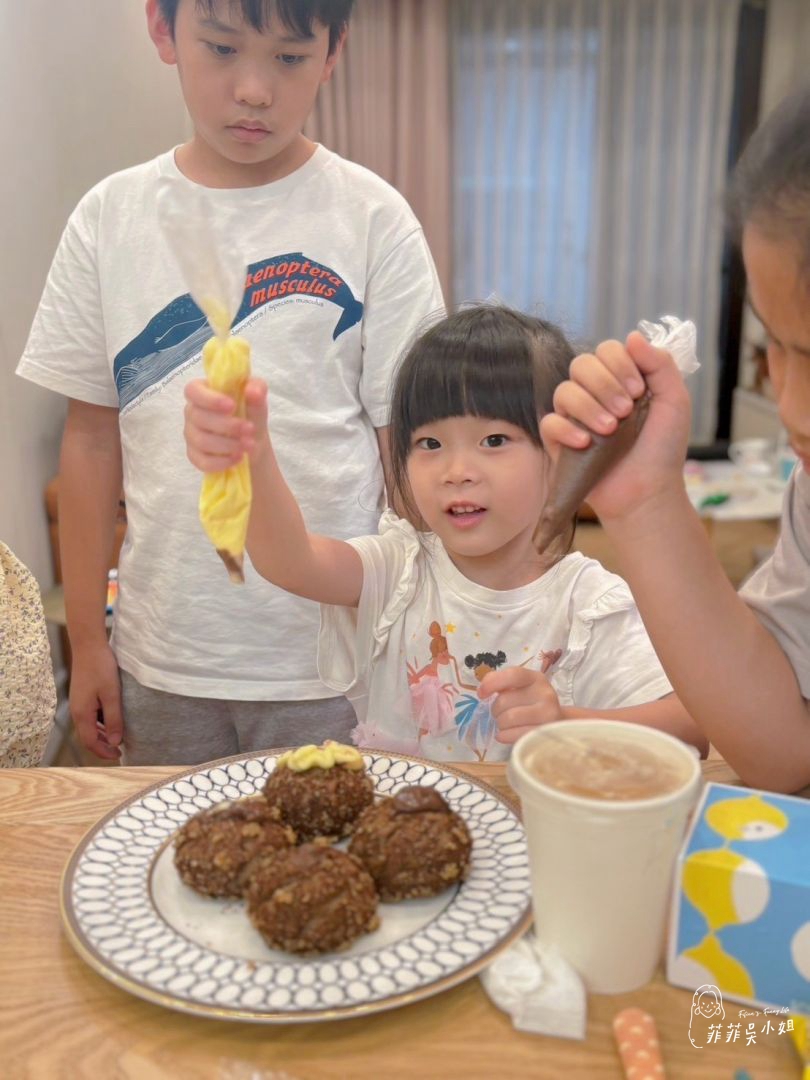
339,278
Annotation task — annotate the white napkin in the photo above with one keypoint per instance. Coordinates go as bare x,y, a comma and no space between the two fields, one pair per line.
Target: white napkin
538,988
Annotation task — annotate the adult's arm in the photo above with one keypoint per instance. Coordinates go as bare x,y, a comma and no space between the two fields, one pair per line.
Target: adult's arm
727,669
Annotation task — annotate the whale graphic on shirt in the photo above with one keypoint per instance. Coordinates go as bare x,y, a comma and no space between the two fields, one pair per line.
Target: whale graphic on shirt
174,337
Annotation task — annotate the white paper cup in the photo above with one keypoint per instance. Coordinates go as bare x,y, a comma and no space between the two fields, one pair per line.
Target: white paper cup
602,870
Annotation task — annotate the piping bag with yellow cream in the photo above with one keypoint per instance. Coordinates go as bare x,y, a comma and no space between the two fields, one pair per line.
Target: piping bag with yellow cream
203,246
578,471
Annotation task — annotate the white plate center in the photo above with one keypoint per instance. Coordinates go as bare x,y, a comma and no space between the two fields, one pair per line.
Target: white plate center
224,927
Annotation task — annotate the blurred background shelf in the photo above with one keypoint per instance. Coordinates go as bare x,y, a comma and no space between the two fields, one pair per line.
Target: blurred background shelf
754,415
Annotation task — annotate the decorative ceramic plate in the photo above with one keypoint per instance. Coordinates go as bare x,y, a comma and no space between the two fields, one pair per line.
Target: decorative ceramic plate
130,917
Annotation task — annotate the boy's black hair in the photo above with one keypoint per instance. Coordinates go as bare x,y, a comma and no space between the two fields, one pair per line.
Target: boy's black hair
297,16
770,185
485,360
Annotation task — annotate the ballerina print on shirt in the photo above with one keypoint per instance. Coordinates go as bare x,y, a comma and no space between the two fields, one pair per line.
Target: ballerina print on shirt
474,719
432,695
445,702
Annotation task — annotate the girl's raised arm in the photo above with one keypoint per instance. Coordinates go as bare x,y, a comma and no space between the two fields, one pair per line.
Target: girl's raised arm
281,549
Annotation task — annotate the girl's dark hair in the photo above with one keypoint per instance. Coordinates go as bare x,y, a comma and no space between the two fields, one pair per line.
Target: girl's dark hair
297,16
770,185
485,360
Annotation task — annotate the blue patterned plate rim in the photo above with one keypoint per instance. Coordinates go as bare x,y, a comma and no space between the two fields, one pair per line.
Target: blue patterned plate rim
113,924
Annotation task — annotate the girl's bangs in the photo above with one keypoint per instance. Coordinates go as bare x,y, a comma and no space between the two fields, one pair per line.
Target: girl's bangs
445,382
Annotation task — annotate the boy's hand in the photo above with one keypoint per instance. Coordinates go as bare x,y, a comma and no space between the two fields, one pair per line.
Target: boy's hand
95,687
525,700
215,438
600,391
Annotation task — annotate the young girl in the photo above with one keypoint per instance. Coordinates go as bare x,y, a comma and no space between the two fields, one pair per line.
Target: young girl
740,663
454,639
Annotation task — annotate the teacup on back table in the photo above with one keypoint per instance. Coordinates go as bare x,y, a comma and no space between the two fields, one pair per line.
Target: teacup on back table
755,457
605,805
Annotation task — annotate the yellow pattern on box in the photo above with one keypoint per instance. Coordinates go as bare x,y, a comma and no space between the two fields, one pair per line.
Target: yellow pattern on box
801,1037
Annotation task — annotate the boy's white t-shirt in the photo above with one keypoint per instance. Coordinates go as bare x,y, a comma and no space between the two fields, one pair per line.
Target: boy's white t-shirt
339,281
411,655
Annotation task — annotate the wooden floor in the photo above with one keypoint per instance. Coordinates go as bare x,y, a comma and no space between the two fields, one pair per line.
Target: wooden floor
739,546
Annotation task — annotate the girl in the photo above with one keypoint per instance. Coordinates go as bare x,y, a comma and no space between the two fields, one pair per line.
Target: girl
468,464
740,663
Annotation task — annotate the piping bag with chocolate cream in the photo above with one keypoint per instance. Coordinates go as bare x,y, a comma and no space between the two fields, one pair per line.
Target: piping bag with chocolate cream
578,471
202,243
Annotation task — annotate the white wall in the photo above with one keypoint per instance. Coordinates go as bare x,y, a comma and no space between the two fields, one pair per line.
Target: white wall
82,94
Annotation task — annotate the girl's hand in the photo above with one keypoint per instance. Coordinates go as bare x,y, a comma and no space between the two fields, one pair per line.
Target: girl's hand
525,700
600,391
215,438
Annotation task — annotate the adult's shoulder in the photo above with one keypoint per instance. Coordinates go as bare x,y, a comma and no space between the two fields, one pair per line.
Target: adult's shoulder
798,493
793,545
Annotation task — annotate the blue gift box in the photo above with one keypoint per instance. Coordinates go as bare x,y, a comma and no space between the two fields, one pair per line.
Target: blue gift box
741,904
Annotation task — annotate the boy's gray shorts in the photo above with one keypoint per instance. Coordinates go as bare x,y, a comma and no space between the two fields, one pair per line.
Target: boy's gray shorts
170,729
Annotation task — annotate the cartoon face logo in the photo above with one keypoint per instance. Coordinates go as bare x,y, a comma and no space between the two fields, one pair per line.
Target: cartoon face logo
707,1004
708,1001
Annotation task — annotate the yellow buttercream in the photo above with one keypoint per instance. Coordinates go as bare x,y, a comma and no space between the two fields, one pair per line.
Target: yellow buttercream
322,757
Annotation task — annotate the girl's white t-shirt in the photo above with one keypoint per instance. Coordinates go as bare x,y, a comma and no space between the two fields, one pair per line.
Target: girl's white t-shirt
411,655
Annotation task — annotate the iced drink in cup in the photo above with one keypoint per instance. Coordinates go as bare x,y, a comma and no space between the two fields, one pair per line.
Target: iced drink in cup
605,806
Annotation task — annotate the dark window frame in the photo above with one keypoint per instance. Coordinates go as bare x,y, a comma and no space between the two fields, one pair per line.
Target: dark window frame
744,119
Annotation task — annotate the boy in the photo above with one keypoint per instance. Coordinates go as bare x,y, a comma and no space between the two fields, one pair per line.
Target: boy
339,277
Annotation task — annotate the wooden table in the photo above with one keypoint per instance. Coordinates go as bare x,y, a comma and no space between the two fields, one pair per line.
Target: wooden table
59,1020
